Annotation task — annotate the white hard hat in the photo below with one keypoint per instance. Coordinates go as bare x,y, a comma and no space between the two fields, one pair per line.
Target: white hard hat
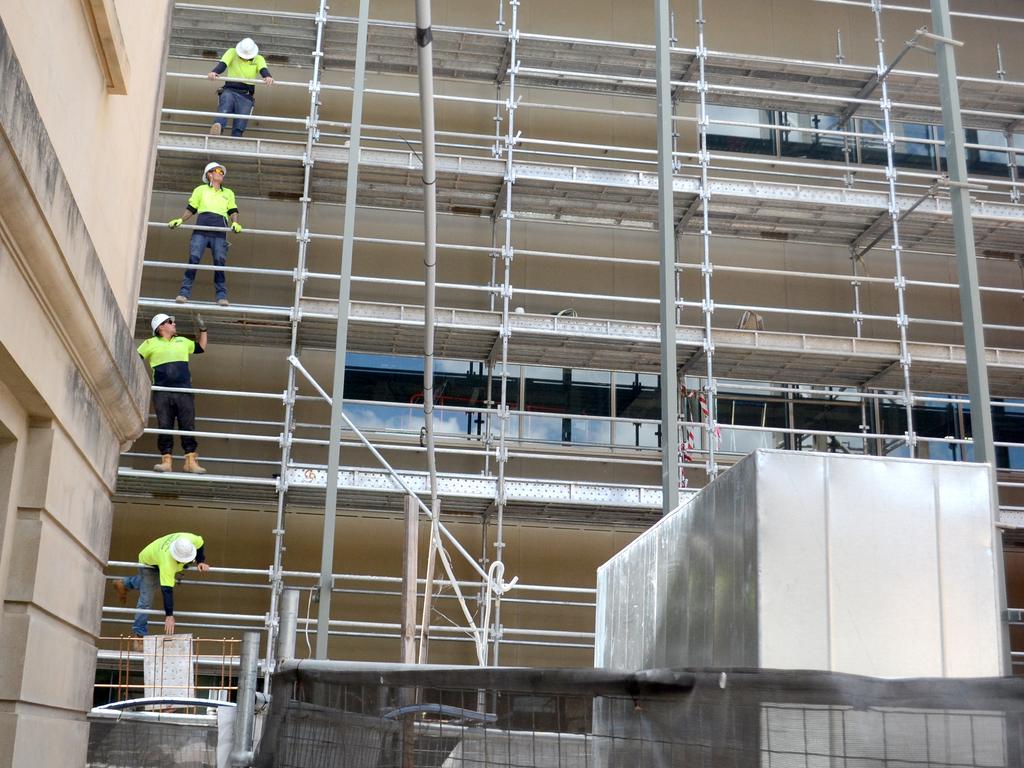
183,550
210,166
247,48
159,320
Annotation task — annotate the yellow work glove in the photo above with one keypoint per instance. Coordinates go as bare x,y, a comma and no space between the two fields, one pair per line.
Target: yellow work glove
236,227
174,223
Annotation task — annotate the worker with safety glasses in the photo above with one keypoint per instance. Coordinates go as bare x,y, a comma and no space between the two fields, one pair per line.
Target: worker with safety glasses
238,98
159,565
167,354
215,205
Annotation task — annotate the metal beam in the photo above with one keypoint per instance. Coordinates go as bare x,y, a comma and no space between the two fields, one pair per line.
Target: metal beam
667,266
963,238
323,617
967,270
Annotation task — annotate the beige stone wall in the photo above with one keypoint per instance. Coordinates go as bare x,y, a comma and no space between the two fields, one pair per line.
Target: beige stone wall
78,111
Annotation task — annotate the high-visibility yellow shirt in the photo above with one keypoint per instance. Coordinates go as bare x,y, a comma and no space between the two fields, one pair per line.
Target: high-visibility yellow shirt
207,199
243,69
169,359
157,554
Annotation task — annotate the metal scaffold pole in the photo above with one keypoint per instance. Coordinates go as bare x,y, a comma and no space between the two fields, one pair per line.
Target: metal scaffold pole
710,406
288,426
507,252
667,265
900,281
323,618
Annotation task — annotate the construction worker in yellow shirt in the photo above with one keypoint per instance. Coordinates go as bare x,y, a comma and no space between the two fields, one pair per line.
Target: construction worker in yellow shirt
238,98
167,354
214,206
159,564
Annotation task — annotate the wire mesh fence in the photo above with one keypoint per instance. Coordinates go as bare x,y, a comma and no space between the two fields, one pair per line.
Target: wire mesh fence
326,715
159,741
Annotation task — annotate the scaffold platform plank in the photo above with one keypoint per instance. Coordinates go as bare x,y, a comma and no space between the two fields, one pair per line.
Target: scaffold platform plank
814,213
365,490
597,66
606,344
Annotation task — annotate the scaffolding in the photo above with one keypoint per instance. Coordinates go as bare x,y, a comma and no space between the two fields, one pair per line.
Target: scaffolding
511,187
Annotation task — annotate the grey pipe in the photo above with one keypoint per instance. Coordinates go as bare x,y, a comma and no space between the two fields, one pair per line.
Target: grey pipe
242,754
425,65
288,622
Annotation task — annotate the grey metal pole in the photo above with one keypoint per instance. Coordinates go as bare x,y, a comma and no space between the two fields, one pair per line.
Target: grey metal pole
288,430
667,266
963,237
287,624
245,712
424,66
970,297
323,615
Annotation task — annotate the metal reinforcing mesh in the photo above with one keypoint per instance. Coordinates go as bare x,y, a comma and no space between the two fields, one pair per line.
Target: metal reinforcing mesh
352,716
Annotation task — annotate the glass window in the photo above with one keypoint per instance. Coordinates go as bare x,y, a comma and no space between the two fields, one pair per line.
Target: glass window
991,161
637,396
803,143
740,138
905,153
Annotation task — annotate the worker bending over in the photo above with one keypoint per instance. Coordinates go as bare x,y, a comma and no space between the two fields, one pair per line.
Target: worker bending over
238,98
167,354
159,564
215,205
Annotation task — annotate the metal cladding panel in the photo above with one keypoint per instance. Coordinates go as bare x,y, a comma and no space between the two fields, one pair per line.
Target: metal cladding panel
683,594
791,545
865,565
967,549
876,566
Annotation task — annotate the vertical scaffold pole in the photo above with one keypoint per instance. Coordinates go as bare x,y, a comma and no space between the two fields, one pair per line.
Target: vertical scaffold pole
1011,156
302,235
667,263
507,254
900,281
707,303
323,617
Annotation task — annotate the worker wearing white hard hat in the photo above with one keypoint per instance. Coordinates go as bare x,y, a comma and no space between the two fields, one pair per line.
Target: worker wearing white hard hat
167,354
159,564
241,65
216,212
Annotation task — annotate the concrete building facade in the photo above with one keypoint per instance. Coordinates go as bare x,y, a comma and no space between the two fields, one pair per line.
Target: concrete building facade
81,89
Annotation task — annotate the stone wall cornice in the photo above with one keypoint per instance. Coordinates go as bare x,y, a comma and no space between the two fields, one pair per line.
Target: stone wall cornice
47,236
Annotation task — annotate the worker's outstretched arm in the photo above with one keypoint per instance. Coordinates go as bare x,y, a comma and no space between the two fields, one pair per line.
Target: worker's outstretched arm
168,595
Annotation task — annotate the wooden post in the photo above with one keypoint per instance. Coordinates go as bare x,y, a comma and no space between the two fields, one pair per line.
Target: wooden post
409,572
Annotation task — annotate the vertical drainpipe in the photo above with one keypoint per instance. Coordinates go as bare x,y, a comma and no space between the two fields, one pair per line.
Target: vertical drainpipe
667,266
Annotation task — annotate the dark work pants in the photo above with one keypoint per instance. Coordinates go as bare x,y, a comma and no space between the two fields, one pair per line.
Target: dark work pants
171,407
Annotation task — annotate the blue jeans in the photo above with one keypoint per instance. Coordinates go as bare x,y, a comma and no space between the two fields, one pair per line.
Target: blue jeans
218,246
232,102
148,583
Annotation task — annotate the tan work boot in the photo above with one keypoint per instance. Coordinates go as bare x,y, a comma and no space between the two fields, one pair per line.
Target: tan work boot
164,465
122,591
215,129
192,464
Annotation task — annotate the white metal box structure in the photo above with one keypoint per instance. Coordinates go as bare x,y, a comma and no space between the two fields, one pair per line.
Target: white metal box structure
865,565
